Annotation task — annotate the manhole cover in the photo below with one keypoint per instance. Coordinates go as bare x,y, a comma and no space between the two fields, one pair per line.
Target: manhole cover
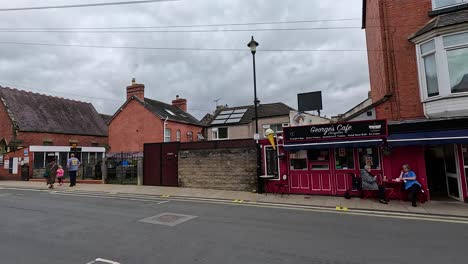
168,219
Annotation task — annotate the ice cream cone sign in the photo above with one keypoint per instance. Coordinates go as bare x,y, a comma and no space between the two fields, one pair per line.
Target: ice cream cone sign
270,134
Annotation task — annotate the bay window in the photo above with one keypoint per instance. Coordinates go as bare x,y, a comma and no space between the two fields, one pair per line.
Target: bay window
443,64
430,69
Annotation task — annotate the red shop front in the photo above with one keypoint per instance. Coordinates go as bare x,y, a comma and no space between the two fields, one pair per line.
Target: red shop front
320,159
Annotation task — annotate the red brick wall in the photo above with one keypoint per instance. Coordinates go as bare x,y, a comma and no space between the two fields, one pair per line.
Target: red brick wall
135,125
4,173
392,57
34,138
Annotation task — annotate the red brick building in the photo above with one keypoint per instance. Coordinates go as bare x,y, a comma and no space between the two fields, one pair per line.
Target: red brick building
142,120
418,65
35,127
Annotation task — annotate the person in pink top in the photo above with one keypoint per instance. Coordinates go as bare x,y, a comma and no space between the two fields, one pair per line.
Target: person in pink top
60,173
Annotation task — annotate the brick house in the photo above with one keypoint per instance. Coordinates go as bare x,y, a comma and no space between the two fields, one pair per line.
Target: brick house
418,66
142,120
35,127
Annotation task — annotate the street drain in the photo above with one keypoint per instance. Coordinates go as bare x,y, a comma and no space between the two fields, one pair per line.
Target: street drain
167,219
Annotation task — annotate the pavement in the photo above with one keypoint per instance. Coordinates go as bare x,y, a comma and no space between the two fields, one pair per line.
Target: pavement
94,227
443,208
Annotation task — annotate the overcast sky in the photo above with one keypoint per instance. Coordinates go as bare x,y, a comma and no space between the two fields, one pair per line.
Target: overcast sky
199,76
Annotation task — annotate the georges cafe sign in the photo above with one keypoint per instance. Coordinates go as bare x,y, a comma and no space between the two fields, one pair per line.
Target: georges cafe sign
373,128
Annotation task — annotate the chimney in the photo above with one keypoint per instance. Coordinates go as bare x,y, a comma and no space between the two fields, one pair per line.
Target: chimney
136,89
180,102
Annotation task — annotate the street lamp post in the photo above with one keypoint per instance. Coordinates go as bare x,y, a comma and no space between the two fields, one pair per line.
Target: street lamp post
253,48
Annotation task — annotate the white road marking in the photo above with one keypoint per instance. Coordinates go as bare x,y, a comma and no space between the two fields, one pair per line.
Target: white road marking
103,261
4,194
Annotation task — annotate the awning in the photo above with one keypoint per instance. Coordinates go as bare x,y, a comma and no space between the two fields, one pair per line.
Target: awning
334,144
428,138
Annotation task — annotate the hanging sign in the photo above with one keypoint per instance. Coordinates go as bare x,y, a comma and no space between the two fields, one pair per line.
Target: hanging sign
350,130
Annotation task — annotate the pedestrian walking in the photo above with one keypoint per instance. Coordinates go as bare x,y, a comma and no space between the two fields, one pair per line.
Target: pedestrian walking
73,164
51,173
60,174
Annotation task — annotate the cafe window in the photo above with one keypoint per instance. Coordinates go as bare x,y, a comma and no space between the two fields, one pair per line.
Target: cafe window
344,158
319,159
298,160
369,156
39,158
318,155
271,162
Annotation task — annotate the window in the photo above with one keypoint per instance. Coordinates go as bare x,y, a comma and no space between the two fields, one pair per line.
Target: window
167,135
220,133
39,158
344,159
369,156
319,159
438,4
178,135
443,65
457,58
190,136
298,160
271,162
200,137
430,69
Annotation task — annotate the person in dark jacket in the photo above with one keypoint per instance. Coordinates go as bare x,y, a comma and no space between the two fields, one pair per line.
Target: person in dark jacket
51,169
369,182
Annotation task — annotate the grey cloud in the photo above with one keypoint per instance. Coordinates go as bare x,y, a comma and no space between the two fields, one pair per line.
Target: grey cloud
199,76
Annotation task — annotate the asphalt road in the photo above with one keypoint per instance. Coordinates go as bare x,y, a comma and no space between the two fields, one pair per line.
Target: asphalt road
38,227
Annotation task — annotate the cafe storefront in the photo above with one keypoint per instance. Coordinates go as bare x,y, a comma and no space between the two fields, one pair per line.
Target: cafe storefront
321,159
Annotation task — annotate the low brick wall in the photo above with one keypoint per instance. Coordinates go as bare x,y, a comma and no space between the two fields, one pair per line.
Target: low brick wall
231,169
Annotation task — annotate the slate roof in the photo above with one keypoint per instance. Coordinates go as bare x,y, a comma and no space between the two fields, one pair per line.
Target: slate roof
443,20
33,112
105,118
173,113
264,111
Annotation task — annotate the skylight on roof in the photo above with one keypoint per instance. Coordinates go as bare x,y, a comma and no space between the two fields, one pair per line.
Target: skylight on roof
232,120
240,111
215,122
236,116
170,112
222,117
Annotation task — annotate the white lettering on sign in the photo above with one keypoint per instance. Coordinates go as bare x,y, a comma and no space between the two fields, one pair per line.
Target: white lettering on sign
331,129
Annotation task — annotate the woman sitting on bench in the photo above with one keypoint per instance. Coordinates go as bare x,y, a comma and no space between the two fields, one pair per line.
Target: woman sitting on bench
369,182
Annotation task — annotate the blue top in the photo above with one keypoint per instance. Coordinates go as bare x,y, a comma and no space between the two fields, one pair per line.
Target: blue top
73,164
409,183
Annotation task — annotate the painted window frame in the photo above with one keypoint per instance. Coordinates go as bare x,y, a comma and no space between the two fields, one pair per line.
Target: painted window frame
215,133
167,138
441,60
178,135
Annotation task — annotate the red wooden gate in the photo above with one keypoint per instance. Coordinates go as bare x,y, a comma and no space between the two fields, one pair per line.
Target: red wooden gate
160,166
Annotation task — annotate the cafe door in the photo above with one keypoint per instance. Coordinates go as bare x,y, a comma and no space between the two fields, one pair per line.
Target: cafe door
320,171
452,171
345,167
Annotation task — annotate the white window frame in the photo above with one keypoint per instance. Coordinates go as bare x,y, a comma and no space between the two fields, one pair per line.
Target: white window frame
167,138
215,133
443,76
447,6
178,133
